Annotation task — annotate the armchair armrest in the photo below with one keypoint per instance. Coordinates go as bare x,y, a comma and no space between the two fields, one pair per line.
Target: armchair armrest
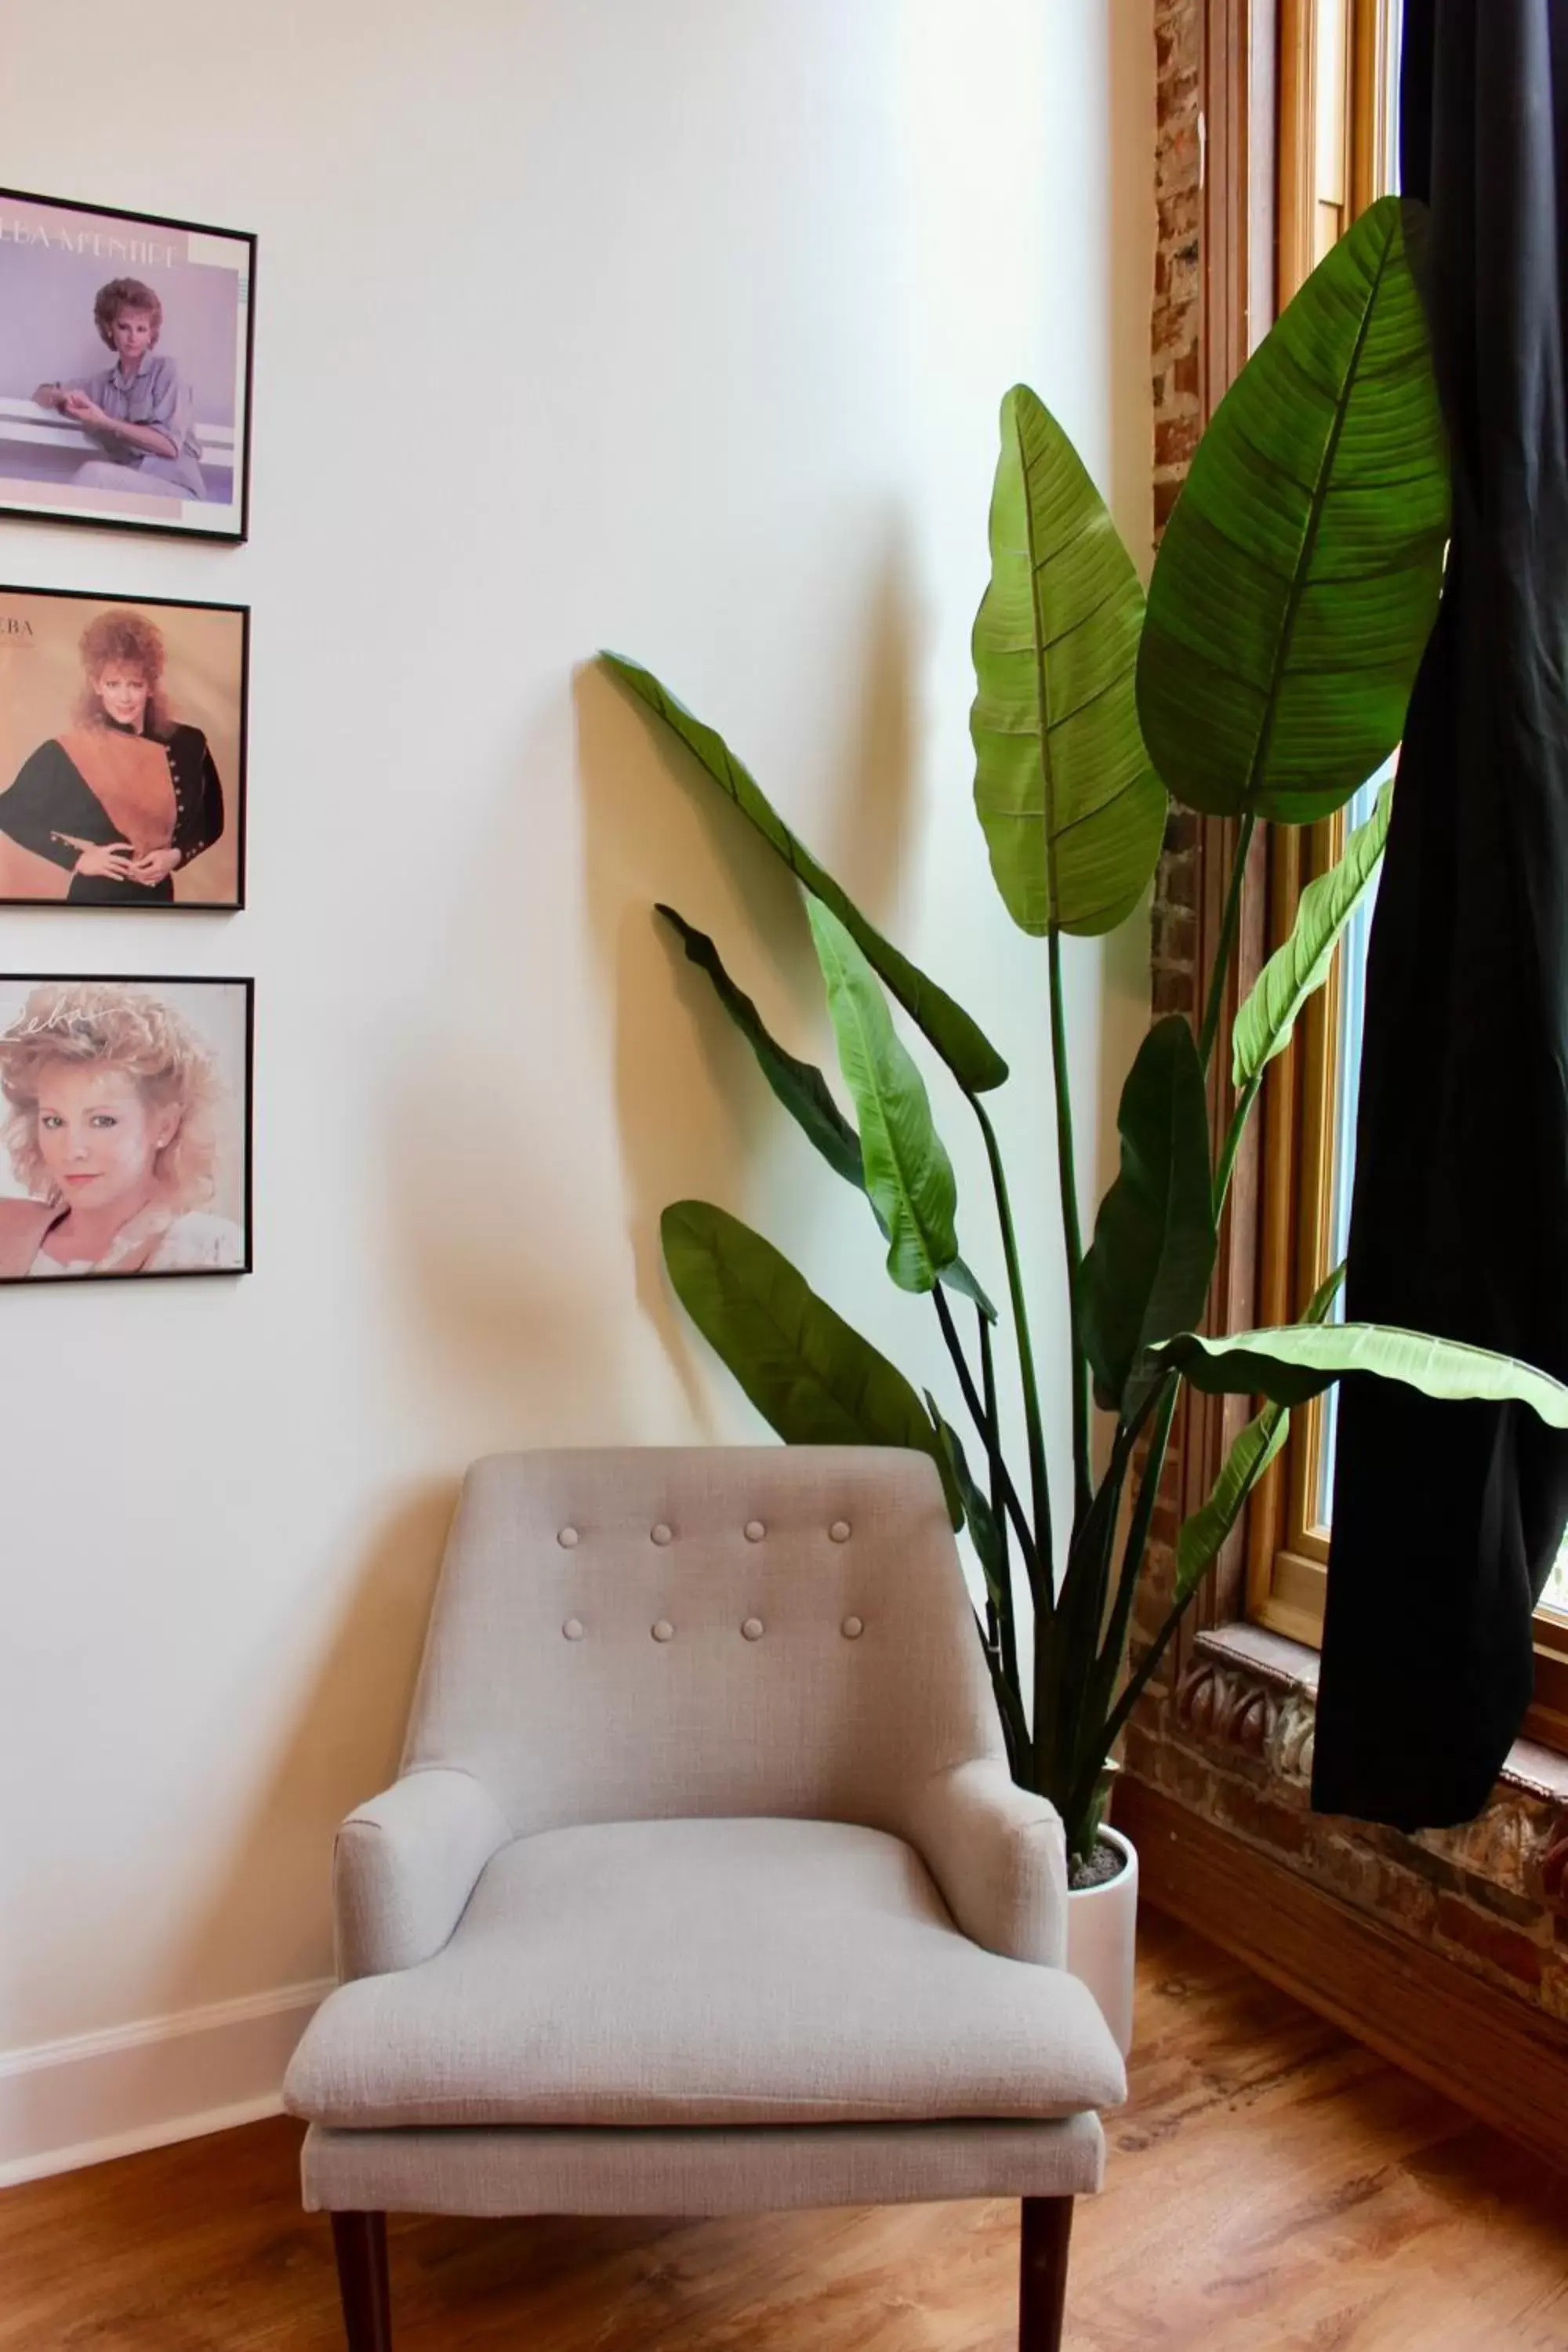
999,1859
404,1865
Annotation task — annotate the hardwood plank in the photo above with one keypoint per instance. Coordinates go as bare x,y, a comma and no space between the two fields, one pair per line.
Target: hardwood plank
1506,2062
1274,2187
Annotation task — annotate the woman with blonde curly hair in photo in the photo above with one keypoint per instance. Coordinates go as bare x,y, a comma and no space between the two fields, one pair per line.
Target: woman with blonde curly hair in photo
125,796
140,410
112,1131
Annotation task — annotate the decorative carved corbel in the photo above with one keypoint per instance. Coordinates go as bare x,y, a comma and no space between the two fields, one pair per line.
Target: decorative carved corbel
1555,1867
1229,1709
1295,1731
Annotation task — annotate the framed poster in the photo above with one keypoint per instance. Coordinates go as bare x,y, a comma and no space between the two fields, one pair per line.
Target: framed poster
125,360
122,750
124,1126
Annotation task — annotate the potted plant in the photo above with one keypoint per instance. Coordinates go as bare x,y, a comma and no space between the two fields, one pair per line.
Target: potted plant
1265,678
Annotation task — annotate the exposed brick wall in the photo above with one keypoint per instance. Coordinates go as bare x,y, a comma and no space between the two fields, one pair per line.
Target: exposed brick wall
1178,286
1234,1742
1176,346
1235,1745
1176,354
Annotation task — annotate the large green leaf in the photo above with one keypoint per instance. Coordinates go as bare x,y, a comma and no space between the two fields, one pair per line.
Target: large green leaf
909,1175
983,1531
799,1085
962,1044
1265,1022
1201,1537
998,1645
1298,575
803,1091
808,1373
1295,1362
1072,810
1147,1271
961,1278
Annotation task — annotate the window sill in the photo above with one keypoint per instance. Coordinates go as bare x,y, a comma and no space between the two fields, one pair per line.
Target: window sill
1232,1745
1275,1662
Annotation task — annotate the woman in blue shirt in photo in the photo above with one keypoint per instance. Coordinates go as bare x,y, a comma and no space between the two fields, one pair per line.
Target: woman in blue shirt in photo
138,410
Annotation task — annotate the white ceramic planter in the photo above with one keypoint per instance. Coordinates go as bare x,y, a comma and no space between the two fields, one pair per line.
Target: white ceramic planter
1102,1935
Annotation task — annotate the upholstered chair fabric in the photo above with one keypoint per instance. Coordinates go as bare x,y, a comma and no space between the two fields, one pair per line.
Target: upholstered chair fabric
404,1865
546,1675
685,1632
723,1972
772,2170
704,1833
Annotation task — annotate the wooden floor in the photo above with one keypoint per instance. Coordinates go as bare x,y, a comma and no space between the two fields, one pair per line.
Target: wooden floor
1272,2187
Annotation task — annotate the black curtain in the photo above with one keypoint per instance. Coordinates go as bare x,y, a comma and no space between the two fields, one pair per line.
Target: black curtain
1446,1517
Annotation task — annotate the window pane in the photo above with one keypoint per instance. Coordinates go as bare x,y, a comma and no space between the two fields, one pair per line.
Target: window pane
1331,67
1347,1060
1347,1085
1352,946
1555,1596
1393,36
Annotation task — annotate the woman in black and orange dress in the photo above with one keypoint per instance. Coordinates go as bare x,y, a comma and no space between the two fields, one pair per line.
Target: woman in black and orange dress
126,796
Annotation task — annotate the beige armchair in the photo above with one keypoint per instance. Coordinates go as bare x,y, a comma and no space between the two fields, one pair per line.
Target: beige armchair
703,1887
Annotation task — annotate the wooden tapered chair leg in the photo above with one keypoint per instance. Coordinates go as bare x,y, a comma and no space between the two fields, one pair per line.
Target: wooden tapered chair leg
359,2241
1043,2272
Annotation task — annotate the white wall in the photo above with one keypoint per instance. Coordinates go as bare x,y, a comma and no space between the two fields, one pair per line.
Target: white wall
673,325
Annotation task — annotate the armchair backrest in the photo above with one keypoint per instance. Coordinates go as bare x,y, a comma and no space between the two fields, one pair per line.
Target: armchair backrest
706,1630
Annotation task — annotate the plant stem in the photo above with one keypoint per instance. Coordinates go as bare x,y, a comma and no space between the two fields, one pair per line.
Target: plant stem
1010,1708
1128,1433
1207,1033
993,1448
1108,1663
1232,1144
988,1431
1074,1632
1065,1649
1000,1486
1087,1768
1040,1484
1138,1681
1108,1666
1142,1515
1009,1634
1072,1237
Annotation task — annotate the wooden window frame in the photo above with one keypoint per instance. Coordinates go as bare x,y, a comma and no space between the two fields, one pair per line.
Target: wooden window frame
1290,1206
1288,1546
1237,245
1367,33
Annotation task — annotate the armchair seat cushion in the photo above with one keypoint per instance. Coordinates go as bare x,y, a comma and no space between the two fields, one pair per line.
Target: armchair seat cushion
684,1972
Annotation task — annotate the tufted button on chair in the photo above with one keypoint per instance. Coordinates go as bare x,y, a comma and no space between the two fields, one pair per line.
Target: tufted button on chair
711,1923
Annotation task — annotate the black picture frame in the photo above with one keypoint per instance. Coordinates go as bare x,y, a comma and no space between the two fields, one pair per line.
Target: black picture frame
246,1124
189,523
235,798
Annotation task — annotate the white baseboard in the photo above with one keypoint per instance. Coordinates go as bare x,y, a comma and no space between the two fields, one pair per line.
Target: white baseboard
98,2096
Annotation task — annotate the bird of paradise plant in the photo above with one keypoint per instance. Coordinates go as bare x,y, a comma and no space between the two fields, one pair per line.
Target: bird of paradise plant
1264,678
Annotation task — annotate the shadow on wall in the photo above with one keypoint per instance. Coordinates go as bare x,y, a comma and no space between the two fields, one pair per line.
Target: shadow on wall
503,1260
342,1747
691,1114
869,839
592,1078
686,1116
694,1115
